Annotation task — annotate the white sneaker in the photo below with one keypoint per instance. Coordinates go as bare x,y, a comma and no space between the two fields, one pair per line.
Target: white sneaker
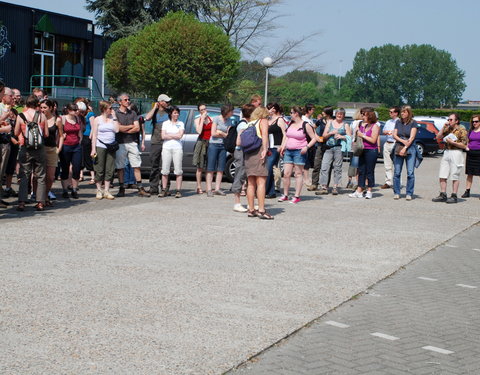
396,197
368,195
356,194
408,198
239,208
99,195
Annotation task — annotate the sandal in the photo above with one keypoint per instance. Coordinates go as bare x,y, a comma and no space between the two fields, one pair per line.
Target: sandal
199,191
48,203
252,213
21,206
264,215
39,206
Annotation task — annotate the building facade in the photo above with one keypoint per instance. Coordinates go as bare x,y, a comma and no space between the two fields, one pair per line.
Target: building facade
58,52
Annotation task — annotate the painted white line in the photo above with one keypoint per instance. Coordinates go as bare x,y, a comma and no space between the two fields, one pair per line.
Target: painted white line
337,324
448,245
466,286
476,250
426,278
438,350
384,336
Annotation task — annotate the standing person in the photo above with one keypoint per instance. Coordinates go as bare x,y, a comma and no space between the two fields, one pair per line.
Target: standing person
472,167
307,117
455,137
388,129
353,167
87,161
12,163
294,151
31,159
327,116
404,134
104,129
158,115
71,154
334,134
256,100
53,143
217,155
7,118
238,156
368,131
255,166
172,133
127,138
203,126
276,133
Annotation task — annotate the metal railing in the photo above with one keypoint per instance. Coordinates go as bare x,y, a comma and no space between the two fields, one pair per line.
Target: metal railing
75,86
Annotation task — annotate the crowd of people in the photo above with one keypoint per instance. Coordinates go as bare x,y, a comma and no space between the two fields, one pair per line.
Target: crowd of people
40,142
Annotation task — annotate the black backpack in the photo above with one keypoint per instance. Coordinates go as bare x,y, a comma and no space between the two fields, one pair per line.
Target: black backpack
230,141
33,135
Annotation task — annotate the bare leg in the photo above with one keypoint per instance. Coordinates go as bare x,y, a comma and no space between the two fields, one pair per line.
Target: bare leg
121,174
261,187
218,180
209,179
298,179
443,185
469,181
198,176
455,185
252,186
138,174
287,174
164,181
179,180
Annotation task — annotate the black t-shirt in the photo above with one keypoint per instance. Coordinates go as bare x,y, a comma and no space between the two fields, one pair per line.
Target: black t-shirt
127,118
404,130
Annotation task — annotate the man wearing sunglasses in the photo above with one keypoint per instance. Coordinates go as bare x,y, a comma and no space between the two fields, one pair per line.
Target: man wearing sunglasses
127,138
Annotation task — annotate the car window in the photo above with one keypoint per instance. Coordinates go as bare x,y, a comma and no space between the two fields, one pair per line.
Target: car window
183,118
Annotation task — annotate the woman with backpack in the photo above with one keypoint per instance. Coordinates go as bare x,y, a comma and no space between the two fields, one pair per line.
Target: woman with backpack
255,162
217,154
31,129
53,143
104,129
336,131
71,154
294,151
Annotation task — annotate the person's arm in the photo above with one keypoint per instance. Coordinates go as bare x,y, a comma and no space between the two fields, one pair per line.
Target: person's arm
135,127
94,135
60,135
142,146
199,121
18,126
216,132
150,114
373,138
459,143
264,132
326,134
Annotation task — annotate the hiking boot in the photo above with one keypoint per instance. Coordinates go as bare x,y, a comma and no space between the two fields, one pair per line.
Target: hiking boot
453,199
334,191
108,196
143,193
162,194
466,194
210,194
385,186
323,191
99,195
121,192
178,194
312,187
442,197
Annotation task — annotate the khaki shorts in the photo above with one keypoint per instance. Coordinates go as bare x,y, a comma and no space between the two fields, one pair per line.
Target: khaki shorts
451,164
130,151
51,156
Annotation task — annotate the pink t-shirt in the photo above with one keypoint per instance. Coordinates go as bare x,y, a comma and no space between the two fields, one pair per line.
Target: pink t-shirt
296,138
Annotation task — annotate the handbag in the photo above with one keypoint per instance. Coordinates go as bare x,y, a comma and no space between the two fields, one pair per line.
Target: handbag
357,146
111,147
398,148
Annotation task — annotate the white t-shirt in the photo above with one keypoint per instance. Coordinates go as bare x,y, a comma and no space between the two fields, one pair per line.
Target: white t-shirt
171,128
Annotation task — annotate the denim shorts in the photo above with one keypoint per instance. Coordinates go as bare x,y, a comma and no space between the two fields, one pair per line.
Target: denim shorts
294,157
216,157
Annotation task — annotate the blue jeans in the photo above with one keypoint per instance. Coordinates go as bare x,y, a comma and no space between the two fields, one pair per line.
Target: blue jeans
366,167
398,165
272,160
216,157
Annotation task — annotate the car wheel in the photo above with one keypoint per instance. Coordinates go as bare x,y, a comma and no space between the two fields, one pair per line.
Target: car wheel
421,148
230,170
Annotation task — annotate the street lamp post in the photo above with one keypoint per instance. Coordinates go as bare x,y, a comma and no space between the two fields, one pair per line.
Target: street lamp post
340,75
267,63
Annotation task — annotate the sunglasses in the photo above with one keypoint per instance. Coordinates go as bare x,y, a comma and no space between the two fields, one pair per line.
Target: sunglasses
476,121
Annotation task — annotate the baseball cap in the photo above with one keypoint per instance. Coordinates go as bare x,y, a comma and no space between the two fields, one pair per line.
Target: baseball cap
164,98
81,106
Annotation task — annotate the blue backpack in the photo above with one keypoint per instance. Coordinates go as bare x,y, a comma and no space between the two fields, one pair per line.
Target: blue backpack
249,139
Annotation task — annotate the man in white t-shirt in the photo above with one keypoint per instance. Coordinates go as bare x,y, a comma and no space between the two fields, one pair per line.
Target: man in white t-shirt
388,147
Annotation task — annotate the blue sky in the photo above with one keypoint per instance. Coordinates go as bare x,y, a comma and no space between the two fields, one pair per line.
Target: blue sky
345,26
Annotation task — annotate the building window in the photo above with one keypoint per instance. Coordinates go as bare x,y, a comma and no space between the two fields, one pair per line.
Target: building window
70,61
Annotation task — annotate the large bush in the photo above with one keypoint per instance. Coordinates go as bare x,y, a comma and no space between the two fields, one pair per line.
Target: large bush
189,60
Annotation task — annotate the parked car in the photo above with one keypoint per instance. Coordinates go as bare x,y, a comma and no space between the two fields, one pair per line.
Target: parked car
426,141
187,116
430,126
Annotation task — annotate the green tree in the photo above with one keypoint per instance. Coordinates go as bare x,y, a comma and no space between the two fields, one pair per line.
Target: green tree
190,60
419,75
116,65
121,18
